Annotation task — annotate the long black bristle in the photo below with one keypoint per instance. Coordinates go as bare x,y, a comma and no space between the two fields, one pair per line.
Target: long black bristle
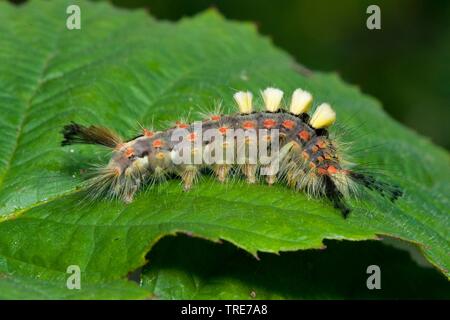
384,189
70,133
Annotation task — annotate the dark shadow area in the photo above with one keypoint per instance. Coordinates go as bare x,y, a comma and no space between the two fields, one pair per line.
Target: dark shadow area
336,272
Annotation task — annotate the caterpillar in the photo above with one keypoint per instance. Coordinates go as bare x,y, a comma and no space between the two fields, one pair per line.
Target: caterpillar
277,144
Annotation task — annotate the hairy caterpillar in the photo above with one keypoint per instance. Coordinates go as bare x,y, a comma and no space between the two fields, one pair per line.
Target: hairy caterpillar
306,159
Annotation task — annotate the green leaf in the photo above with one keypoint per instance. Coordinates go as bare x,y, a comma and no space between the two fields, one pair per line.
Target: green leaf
189,268
122,68
17,287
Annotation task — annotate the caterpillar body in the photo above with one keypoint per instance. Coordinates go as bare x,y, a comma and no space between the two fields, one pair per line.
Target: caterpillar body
306,157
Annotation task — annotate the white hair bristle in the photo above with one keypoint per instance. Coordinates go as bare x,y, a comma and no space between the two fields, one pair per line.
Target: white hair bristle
272,99
300,102
244,101
323,117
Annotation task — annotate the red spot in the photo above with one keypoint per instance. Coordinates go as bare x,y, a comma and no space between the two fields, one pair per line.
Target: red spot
321,144
129,152
223,130
215,118
157,143
321,171
181,125
148,133
304,135
269,123
332,170
288,124
248,125
192,136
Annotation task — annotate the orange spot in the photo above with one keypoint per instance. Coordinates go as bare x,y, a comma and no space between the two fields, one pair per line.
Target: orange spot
223,130
332,170
129,152
319,159
215,118
269,123
288,124
314,149
321,144
116,172
148,133
305,155
304,135
327,156
181,125
157,143
192,136
321,171
160,155
248,125
312,165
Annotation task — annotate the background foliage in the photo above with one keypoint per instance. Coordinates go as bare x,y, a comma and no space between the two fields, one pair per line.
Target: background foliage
405,64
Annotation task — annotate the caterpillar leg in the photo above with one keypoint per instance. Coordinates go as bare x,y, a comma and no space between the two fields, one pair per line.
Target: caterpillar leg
189,175
271,179
131,186
133,178
249,170
222,171
336,197
273,166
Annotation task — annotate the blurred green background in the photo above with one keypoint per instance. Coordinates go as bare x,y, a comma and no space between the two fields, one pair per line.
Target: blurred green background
406,64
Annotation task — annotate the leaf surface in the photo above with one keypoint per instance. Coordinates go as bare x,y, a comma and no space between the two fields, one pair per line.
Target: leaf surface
124,68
